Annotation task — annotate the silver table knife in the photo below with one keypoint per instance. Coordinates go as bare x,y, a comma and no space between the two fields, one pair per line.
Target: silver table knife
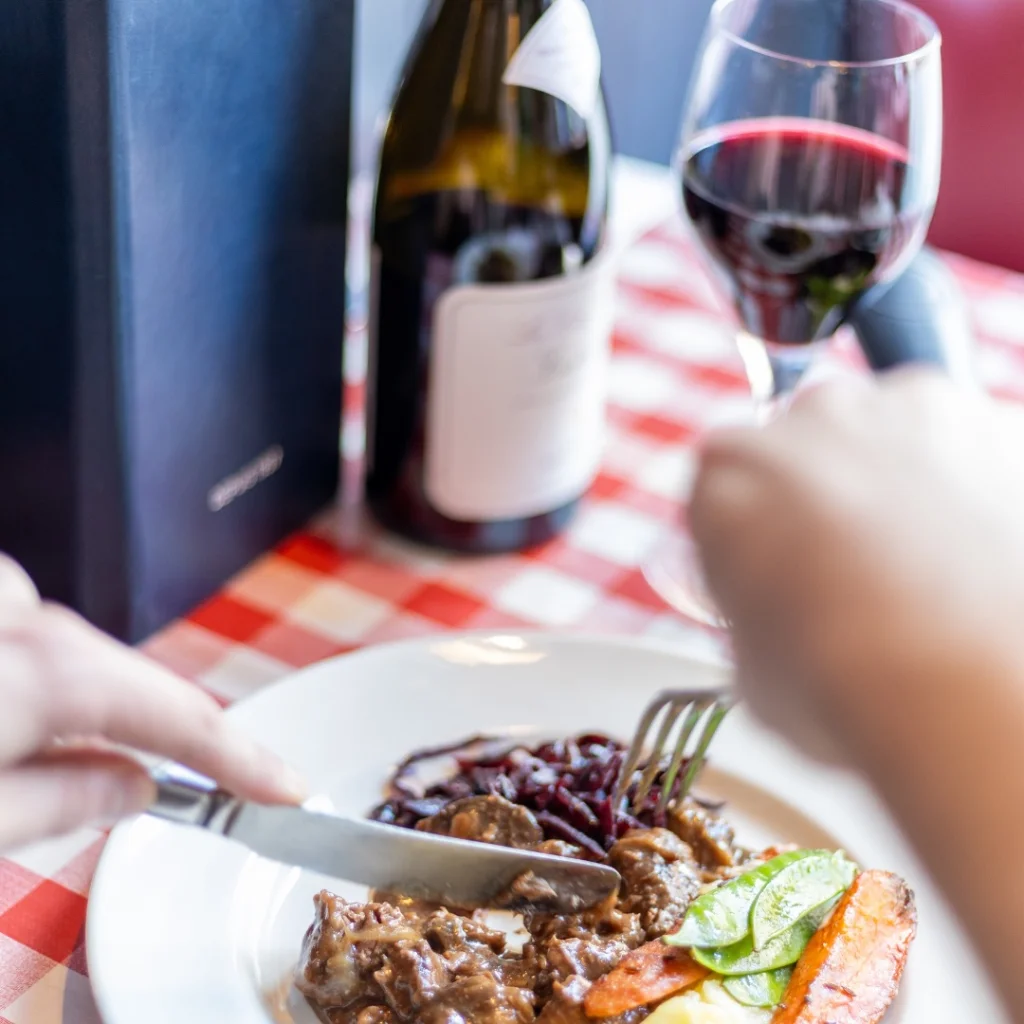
453,872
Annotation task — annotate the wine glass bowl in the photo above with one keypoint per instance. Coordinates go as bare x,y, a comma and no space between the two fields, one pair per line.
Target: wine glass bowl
809,170
811,154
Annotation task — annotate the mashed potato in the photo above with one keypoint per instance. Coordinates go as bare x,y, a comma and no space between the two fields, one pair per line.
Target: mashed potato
707,1004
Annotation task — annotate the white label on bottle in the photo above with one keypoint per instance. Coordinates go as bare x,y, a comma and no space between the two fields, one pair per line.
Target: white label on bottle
516,396
561,56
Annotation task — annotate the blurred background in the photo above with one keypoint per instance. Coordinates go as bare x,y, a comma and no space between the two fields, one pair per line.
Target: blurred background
981,209
661,36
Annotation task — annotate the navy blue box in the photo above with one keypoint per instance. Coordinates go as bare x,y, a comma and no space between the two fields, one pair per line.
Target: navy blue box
173,187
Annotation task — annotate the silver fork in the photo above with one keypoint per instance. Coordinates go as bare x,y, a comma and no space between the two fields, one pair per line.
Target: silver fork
702,713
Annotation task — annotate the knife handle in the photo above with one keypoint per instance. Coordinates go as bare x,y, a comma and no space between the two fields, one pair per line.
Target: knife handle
188,803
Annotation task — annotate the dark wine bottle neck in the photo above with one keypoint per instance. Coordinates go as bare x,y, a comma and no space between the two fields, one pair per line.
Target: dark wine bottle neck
457,124
526,11
491,31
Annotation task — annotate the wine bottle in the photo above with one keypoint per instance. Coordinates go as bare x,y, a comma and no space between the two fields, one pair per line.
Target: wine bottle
491,301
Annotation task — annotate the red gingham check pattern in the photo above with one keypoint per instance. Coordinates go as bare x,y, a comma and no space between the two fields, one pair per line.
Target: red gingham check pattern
343,584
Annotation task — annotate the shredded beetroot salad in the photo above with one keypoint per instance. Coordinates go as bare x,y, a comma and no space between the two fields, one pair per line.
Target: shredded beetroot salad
568,785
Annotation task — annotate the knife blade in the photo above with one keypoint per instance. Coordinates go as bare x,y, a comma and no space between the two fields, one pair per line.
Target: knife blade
453,872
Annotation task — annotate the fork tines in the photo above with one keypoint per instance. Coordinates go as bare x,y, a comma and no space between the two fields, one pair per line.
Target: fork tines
689,720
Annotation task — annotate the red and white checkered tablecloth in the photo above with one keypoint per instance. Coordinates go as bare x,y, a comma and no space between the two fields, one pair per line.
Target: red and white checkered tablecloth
343,584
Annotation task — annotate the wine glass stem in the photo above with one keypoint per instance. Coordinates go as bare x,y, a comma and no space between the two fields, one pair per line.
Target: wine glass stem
774,371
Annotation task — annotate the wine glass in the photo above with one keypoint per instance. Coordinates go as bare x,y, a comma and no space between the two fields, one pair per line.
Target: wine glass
809,169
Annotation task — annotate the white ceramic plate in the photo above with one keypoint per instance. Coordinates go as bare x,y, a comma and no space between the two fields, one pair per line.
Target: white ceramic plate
186,927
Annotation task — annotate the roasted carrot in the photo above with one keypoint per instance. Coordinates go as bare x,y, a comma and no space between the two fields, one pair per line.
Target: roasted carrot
646,975
851,969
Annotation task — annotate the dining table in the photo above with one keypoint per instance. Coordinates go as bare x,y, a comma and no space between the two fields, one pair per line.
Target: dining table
343,583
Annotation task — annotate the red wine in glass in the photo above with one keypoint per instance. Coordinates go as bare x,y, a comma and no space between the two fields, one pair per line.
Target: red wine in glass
811,155
800,217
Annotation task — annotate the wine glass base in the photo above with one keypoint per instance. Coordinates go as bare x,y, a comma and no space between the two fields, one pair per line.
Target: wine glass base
674,574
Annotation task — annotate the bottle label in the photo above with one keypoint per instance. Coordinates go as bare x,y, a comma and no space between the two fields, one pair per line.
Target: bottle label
515,407
561,56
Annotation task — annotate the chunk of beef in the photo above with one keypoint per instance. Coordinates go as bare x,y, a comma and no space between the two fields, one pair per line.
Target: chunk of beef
344,946
360,1015
711,837
560,848
486,819
532,894
480,999
660,879
527,892
467,946
411,978
375,1015
589,957
566,1006
418,910
520,971
372,964
605,921
586,945
413,908
566,1003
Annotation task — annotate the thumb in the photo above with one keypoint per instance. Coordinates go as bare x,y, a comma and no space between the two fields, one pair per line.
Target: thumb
58,793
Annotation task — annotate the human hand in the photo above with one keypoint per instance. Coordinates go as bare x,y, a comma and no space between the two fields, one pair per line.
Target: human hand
868,548
69,694
871,537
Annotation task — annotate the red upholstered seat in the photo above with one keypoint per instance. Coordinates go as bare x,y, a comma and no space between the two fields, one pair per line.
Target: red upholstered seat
981,208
